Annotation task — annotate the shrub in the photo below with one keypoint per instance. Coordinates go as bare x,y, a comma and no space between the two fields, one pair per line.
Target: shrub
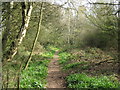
64,57
84,81
73,65
35,75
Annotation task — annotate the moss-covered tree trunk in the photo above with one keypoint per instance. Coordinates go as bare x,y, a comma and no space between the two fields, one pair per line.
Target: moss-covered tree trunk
26,14
37,34
6,30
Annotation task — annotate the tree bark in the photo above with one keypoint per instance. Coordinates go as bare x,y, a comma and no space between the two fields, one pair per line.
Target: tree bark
119,38
7,23
7,84
26,14
36,37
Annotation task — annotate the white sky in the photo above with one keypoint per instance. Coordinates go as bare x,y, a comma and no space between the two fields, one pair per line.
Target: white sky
81,1
58,1
78,3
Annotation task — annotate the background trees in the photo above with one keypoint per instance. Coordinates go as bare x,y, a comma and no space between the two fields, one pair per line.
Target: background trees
69,26
106,26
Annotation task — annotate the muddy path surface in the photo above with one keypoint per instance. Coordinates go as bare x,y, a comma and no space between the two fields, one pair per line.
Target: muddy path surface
56,78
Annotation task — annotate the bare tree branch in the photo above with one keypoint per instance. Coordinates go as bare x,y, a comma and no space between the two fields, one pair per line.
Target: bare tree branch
105,3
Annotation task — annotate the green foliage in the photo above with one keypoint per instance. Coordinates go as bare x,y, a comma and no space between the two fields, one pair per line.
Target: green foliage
47,55
52,49
84,81
37,57
99,39
93,54
101,32
84,67
35,75
106,27
73,65
64,57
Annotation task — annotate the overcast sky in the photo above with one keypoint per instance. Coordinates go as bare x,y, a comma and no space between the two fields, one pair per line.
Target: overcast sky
58,1
79,2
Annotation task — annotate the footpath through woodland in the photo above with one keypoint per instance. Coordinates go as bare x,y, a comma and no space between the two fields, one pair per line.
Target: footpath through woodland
55,77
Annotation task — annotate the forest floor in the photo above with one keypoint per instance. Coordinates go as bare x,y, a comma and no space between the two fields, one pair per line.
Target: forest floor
56,78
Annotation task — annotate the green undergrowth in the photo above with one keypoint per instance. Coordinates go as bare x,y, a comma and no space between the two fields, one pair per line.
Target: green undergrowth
52,49
80,63
74,65
65,61
47,55
64,57
90,56
35,75
85,81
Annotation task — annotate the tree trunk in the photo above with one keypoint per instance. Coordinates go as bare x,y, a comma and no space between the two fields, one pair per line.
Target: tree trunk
7,76
26,14
36,37
18,82
69,31
119,38
7,23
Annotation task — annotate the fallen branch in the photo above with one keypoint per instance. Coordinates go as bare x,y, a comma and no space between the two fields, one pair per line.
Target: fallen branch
103,61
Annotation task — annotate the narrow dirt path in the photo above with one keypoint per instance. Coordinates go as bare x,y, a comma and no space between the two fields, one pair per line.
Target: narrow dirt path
55,77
